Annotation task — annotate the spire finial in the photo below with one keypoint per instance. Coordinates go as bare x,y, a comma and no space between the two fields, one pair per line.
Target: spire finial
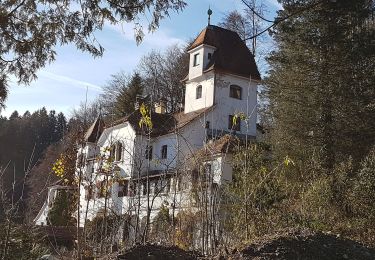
209,12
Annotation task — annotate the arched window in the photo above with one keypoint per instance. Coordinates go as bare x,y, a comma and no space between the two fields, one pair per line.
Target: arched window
235,92
198,93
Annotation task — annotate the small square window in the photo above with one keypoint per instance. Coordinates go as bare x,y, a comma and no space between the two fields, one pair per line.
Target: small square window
196,60
164,152
235,126
235,92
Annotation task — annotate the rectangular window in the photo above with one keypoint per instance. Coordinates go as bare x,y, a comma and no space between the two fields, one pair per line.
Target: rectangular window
103,189
144,188
122,188
196,60
198,92
235,92
236,126
158,188
119,151
207,125
112,153
167,185
148,152
89,193
209,55
164,152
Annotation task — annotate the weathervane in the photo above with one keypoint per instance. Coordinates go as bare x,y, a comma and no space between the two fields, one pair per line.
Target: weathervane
209,12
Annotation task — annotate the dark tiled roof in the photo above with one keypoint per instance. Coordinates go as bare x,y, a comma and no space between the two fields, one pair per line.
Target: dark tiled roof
162,123
231,55
96,129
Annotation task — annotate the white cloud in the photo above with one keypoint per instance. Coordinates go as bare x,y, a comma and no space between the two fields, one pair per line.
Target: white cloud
161,38
75,82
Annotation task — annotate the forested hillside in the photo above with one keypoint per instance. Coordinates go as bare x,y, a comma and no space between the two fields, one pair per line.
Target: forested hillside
23,139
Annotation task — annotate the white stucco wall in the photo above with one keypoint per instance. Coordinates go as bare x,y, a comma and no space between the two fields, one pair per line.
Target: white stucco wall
203,51
226,105
125,134
207,99
157,162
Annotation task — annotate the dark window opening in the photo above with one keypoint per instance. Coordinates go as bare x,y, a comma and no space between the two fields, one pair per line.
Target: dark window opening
207,125
144,188
196,60
158,188
234,123
112,153
235,92
209,55
148,153
164,152
167,185
122,188
89,193
104,189
119,151
198,93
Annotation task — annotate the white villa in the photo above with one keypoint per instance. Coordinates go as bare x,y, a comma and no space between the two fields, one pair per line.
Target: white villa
116,162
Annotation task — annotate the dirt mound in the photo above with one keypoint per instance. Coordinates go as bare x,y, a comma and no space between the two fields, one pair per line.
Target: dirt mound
292,244
305,245
156,252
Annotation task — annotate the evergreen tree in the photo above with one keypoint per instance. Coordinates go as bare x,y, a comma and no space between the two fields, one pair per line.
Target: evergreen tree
321,82
125,100
26,114
14,115
22,142
61,125
62,210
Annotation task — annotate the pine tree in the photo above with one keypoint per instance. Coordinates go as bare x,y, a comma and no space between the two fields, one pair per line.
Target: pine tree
321,81
125,100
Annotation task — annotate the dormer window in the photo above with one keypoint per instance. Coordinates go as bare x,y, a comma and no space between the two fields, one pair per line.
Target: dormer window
235,92
198,93
196,60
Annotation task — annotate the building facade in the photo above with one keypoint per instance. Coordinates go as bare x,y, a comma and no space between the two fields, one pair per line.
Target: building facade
135,167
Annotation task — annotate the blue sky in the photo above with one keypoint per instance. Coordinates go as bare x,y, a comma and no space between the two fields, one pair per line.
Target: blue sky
62,85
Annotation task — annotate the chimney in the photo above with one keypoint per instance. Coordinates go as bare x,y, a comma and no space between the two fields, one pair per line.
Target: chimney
161,107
